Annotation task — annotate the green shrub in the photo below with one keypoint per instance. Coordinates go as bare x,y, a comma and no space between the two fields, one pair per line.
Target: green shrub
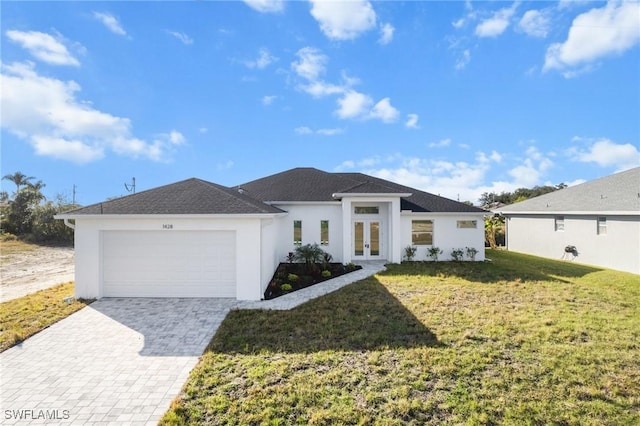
410,253
457,255
326,274
471,253
286,287
433,253
293,277
351,266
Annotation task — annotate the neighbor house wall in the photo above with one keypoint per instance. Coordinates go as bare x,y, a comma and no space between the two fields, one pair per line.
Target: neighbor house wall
88,248
618,249
310,214
446,235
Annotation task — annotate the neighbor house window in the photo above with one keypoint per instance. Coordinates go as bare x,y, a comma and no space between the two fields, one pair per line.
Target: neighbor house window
602,225
366,210
559,223
422,232
297,232
324,232
467,224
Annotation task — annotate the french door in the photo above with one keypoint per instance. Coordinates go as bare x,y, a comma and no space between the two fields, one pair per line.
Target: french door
366,239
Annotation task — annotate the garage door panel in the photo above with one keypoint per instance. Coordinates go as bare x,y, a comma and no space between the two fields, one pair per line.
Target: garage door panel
169,264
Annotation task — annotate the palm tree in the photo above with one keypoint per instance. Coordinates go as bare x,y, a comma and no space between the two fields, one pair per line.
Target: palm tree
20,179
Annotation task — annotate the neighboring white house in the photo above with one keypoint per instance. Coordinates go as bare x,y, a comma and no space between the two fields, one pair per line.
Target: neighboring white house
599,218
198,239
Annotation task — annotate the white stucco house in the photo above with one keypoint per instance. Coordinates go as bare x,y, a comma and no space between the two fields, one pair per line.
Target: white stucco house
599,218
198,239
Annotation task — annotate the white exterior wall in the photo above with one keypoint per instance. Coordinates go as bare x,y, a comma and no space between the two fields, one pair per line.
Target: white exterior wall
88,248
310,214
619,249
446,235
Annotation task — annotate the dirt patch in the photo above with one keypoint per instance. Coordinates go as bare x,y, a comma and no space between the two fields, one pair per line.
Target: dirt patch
29,271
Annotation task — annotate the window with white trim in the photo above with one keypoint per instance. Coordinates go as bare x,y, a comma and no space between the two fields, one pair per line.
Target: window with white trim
297,232
324,232
467,224
366,210
422,232
558,223
602,225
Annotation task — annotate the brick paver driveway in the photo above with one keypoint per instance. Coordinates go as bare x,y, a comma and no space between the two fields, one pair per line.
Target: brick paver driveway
118,361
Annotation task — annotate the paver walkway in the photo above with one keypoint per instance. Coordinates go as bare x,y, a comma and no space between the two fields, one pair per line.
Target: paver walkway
122,361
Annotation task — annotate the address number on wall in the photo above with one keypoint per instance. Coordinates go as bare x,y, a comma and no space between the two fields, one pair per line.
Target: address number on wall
167,226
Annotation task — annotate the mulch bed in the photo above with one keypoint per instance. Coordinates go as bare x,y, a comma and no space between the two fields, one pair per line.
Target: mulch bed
301,275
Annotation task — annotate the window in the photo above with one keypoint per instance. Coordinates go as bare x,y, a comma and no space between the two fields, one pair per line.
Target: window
422,232
297,232
366,210
559,223
467,224
324,232
602,225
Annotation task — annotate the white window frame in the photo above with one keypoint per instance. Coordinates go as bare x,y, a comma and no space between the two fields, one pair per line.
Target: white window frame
467,224
601,225
324,241
297,242
558,223
413,232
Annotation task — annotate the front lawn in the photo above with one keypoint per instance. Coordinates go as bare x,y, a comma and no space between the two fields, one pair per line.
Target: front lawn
25,316
520,340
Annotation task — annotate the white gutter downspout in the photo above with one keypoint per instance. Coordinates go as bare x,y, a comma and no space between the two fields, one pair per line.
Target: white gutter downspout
69,224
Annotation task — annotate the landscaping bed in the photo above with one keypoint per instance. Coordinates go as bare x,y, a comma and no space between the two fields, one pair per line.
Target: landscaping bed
295,276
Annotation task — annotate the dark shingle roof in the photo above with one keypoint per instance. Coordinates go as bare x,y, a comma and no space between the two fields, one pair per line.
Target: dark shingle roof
191,196
309,184
619,192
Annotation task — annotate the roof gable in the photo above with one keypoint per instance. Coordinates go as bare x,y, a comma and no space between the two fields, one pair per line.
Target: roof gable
619,192
191,196
309,184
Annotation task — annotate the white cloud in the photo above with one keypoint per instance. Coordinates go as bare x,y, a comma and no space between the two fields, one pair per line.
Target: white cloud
268,100
386,34
203,130
464,60
535,23
463,180
600,32
176,138
111,22
184,38
344,20
330,132
440,144
225,166
412,121
264,59
354,105
459,23
311,63
606,153
266,6
384,111
303,130
43,47
67,128
496,24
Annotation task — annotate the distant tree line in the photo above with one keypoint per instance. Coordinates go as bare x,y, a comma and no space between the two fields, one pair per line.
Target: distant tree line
28,215
494,228
520,194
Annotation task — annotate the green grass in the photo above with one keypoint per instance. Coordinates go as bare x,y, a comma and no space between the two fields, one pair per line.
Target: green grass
25,316
520,340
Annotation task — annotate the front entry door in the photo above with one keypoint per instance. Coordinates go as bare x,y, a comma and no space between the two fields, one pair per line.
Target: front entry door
366,239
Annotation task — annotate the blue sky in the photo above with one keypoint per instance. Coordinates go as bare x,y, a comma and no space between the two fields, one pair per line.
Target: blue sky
455,98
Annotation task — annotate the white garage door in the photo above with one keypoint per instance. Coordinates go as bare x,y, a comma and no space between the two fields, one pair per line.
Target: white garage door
169,264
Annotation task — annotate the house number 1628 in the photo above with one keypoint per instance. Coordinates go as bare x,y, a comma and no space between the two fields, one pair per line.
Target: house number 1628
167,226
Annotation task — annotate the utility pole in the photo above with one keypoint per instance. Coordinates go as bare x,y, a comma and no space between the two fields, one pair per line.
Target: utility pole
131,188
74,195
